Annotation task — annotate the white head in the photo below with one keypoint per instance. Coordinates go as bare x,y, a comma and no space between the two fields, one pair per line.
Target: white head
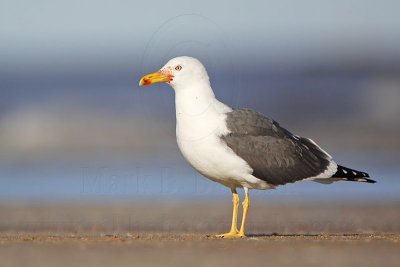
179,72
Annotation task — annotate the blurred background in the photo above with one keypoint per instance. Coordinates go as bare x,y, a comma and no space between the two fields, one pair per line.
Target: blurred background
74,123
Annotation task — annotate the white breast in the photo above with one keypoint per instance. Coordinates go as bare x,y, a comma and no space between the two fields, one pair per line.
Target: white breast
198,130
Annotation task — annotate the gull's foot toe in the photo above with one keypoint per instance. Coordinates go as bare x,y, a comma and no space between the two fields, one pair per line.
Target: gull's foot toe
231,235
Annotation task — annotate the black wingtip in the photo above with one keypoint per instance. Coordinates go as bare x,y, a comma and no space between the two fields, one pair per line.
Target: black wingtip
365,180
348,174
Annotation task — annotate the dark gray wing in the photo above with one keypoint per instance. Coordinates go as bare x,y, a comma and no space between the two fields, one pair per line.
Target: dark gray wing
275,155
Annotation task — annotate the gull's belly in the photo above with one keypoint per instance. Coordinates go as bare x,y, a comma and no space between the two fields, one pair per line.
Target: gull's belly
212,158
198,137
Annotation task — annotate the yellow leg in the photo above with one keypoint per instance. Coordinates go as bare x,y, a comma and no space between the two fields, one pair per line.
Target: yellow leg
233,232
246,205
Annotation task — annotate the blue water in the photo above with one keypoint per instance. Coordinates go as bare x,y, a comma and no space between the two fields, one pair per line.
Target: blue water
165,178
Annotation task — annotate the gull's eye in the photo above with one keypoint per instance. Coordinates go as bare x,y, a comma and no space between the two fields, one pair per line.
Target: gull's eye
178,68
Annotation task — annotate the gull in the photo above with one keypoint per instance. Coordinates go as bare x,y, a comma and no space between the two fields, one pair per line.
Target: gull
240,148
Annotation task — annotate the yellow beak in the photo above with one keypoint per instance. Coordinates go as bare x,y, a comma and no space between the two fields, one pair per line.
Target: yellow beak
156,77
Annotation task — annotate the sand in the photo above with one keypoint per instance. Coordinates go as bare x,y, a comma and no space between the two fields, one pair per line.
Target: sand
154,233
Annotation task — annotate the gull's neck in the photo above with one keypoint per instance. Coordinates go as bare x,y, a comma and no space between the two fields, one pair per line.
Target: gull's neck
194,97
197,109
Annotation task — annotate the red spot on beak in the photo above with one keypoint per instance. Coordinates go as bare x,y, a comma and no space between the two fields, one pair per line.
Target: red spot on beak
146,82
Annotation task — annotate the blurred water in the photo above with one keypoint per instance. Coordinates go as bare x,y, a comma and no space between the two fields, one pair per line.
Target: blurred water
100,142
163,178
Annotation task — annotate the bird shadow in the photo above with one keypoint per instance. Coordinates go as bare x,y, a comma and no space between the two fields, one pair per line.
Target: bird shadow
294,235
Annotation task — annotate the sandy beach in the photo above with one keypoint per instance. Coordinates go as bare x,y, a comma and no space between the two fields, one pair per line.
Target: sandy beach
181,234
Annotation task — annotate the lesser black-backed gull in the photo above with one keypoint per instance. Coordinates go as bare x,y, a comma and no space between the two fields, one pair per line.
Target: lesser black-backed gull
240,148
